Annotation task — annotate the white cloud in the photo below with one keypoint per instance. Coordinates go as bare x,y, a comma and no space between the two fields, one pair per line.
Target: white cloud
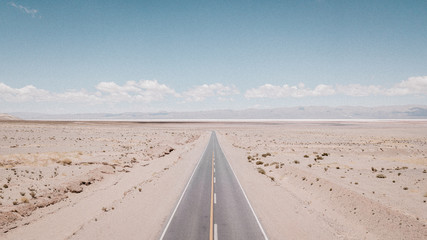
145,91
81,96
111,87
200,93
413,85
141,91
25,94
27,10
358,90
150,91
323,90
108,92
272,91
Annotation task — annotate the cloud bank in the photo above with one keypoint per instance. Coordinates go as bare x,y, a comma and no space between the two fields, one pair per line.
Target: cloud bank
411,86
272,91
150,91
200,93
144,91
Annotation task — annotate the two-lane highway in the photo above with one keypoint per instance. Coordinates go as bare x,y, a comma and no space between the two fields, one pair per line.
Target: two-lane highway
213,204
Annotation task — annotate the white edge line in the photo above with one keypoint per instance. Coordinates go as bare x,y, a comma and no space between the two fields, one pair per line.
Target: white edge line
185,189
215,232
253,212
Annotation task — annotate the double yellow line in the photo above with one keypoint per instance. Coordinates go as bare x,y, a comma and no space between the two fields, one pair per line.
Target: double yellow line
212,199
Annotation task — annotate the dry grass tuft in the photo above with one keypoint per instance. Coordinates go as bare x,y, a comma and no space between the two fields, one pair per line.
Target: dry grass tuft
66,161
261,170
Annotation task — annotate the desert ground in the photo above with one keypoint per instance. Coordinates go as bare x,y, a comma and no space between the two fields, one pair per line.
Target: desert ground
304,179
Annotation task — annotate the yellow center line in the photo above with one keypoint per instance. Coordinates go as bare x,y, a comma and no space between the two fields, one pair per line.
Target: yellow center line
212,200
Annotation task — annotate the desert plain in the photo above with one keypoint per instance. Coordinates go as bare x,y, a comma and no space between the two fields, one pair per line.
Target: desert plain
304,179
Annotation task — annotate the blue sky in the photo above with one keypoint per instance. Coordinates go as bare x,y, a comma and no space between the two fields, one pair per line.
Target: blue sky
118,56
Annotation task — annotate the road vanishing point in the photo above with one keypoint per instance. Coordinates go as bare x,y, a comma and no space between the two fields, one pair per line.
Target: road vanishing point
213,205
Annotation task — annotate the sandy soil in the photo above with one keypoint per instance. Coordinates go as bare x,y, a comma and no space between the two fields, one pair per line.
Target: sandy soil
305,180
92,181
333,180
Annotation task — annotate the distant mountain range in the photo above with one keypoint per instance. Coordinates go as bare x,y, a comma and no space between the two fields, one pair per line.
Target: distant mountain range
312,112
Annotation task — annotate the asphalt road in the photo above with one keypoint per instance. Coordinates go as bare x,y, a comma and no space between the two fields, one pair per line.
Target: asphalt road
213,205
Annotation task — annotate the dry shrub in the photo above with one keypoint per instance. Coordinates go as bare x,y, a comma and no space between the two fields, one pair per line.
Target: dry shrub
66,161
